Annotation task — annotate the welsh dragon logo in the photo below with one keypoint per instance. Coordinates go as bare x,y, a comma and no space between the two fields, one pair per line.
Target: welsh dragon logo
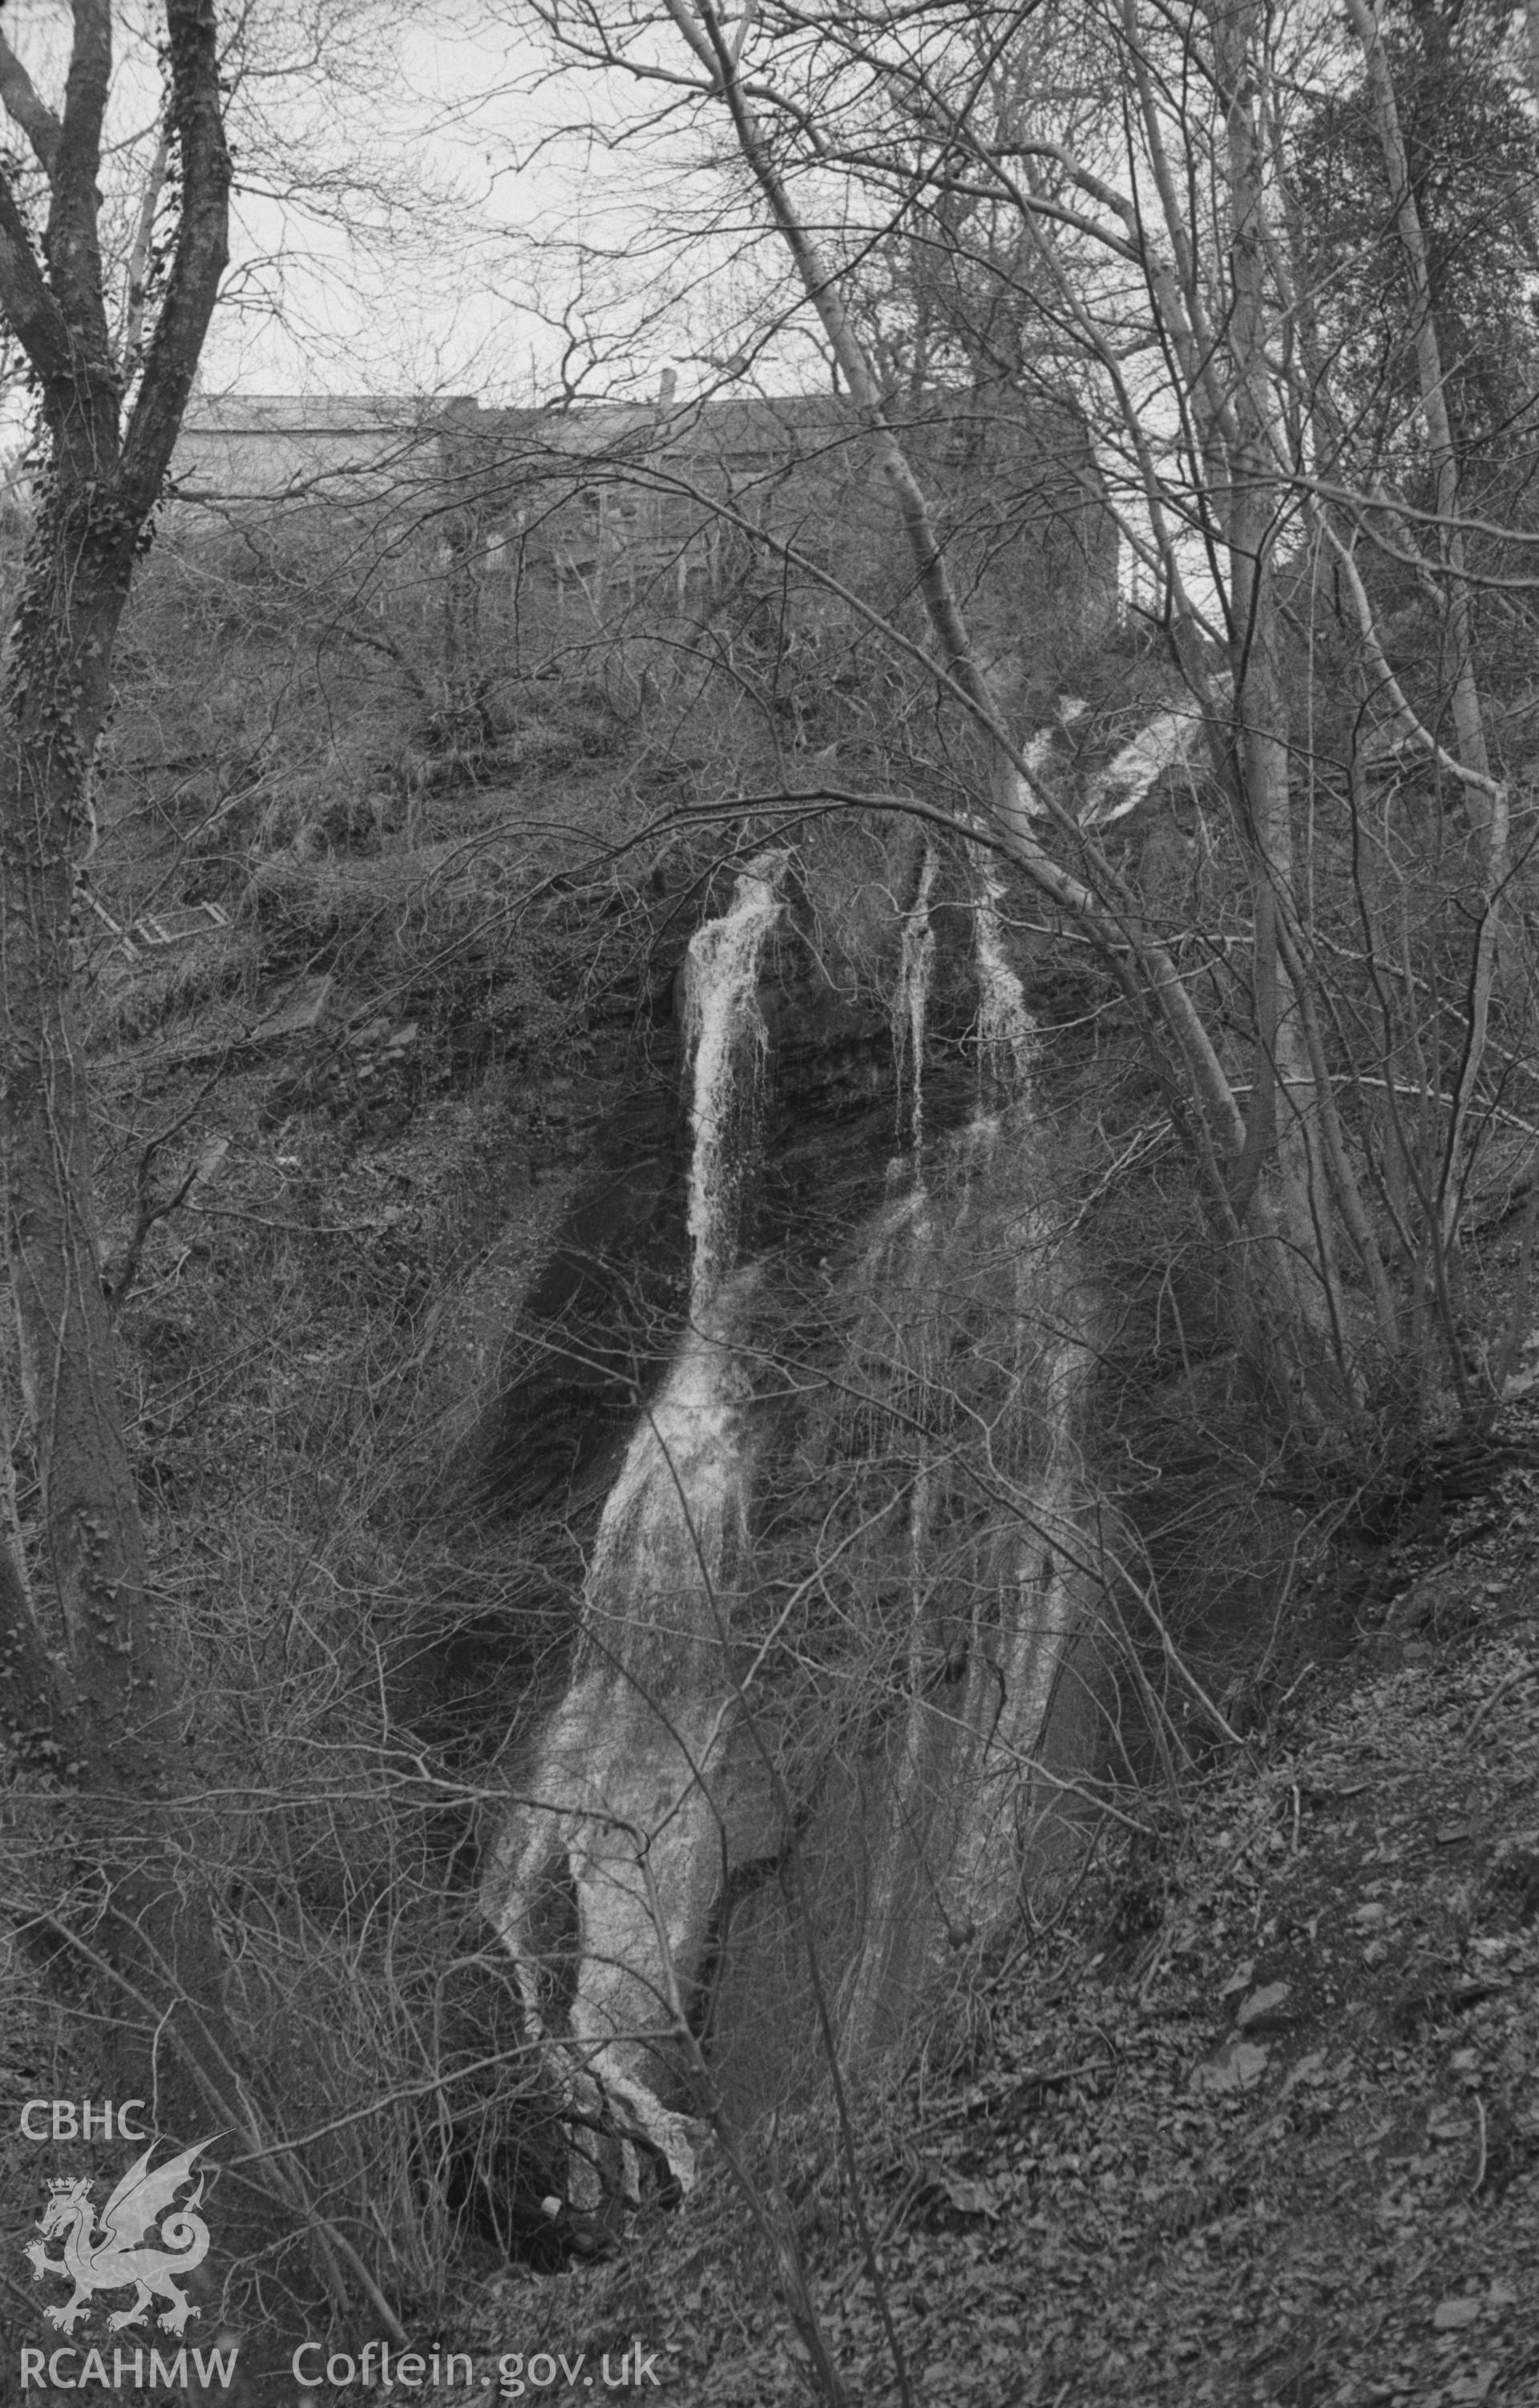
118,2255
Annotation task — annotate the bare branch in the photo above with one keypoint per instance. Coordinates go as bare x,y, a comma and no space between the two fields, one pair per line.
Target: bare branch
72,243
136,273
30,308
27,107
202,252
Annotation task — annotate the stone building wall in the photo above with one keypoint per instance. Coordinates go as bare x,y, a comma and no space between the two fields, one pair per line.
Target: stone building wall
614,511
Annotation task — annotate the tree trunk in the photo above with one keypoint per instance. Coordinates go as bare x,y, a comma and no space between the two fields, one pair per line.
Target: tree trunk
1287,1204
114,1709
1486,798
88,1643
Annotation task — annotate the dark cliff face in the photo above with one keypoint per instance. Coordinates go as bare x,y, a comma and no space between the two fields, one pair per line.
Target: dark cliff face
597,1326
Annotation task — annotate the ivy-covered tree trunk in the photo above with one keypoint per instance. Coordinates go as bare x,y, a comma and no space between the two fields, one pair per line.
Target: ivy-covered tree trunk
94,1644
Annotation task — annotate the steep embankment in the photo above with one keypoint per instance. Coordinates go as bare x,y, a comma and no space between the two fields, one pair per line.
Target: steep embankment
1080,2191
1252,2120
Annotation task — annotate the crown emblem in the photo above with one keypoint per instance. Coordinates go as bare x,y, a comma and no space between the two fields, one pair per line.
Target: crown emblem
61,2183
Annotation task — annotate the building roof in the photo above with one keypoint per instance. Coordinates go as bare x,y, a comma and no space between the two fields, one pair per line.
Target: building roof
327,413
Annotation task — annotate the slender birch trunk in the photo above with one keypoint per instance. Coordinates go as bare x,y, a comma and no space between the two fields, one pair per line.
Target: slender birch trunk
1486,798
1291,1190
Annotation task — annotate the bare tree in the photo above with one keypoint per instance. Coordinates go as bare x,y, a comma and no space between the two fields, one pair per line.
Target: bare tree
1126,230
94,1665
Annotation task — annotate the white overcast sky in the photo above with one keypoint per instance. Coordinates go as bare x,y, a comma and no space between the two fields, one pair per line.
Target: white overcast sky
470,303
493,301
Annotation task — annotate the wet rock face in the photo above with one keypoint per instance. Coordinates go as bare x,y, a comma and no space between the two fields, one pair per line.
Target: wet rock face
841,1082
823,1131
597,1329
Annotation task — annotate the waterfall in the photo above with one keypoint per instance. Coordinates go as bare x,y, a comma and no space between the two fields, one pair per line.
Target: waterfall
667,1519
985,1640
1041,1596
1007,1034
1173,740
900,1842
1035,753
1043,1591
915,1619
911,1002
722,1021
625,1814
1168,742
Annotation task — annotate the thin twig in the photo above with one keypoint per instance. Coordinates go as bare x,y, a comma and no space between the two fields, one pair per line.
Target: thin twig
1497,1694
1046,2079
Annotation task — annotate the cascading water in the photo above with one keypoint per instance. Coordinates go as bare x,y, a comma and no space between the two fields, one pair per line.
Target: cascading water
723,1022
913,1594
1007,1034
621,1831
902,1244
1173,740
911,1003
986,1639
1040,1605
